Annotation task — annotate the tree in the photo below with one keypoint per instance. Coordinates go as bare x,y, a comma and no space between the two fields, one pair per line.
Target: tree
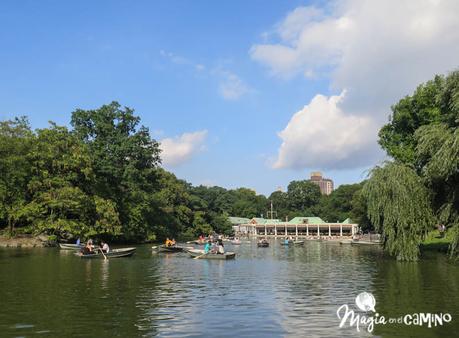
124,160
423,134
437,153
248,203
359,211
170,211
280,203
399,207
302,195
61,200
411,112
337,206
16,139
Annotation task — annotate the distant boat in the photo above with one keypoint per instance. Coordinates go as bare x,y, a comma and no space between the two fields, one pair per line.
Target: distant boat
345,241
200,253
236,242
67,246
114,253
291,242
364,242
173,248
263,244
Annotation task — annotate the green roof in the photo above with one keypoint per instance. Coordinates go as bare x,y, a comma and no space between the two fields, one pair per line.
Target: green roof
308,220
347,221
265,221
259,220
238,220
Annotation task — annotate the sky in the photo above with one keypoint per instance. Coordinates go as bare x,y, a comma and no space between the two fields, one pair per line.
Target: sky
239,93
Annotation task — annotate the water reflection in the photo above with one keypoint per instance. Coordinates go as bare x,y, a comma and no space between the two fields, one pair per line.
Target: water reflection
427,286
276,291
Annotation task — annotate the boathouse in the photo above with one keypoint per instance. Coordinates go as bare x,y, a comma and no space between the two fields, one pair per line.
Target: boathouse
298,227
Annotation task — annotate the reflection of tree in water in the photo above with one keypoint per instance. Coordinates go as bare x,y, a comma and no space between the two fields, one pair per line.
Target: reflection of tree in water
430,285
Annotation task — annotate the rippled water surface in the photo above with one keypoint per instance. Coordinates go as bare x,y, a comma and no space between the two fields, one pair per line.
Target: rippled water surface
266,292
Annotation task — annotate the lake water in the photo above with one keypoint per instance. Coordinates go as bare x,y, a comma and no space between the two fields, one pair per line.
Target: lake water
265,292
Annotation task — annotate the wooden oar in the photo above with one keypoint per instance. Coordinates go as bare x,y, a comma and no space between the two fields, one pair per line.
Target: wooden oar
102,251
197,257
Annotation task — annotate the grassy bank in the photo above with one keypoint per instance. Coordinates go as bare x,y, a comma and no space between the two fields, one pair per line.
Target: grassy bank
435,242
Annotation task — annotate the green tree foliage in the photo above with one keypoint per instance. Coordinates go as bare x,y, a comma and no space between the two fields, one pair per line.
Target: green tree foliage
302,195
337,206
281,205
359,211
52,173
411,112
102,179
423,134
438,158
16,139
171,212
399,207
124,160
248,203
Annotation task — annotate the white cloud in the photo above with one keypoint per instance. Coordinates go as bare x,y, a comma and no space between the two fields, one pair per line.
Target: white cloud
180,149
378,51
177,59
321,135
232,87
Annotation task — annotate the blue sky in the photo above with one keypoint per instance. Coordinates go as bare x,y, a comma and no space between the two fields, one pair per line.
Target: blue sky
242,93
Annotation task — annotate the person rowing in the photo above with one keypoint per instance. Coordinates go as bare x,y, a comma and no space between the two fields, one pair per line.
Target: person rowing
220,247
104,247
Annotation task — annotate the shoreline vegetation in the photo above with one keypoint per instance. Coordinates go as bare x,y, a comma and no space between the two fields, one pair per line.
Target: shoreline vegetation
102,178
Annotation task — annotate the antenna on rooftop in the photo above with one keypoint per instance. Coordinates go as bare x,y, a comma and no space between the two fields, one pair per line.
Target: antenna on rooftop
272,211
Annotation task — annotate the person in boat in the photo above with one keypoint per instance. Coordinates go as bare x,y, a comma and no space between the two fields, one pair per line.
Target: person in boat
173,242
104,247
168,242
220,247
78,241
207,247
286,240
88,248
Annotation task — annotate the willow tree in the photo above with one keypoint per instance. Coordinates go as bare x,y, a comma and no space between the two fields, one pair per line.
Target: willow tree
399,208
437,152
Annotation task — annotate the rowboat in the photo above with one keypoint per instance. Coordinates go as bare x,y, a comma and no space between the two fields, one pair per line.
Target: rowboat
236,242
202,255
363,242
262,244
292,243
174,248
67,246
345,241
197,242
114,253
